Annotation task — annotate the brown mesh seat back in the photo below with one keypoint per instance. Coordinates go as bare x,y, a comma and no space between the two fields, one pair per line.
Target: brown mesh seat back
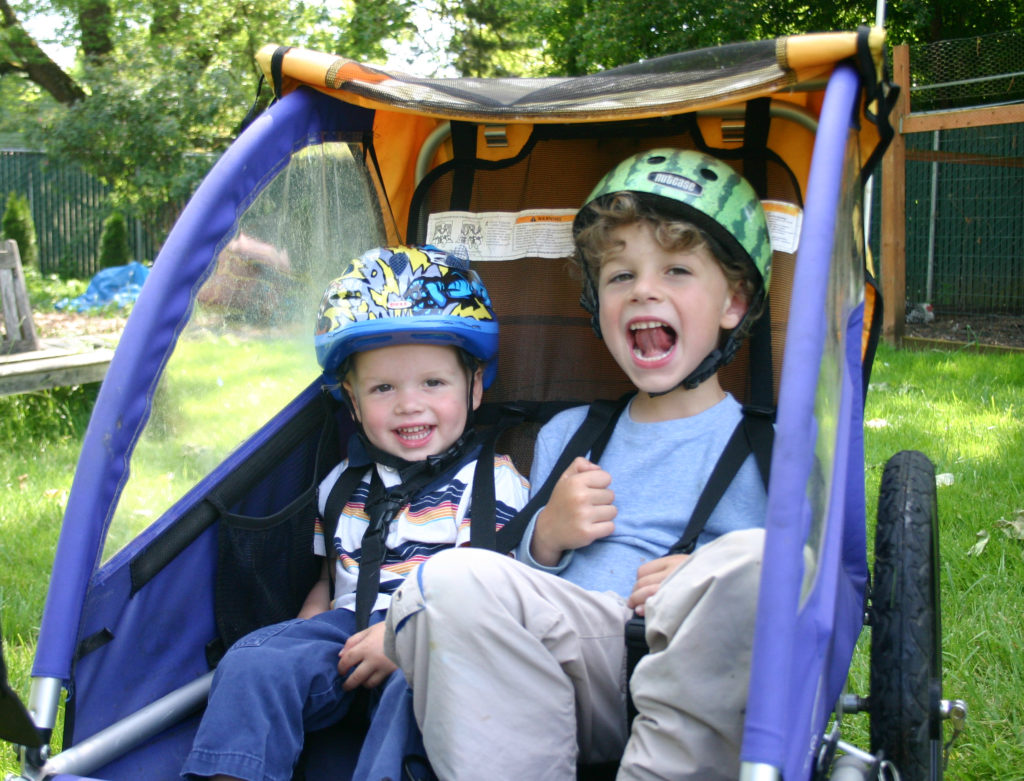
548,350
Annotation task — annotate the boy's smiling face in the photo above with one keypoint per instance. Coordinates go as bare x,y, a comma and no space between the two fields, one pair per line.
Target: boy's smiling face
411,398
661,311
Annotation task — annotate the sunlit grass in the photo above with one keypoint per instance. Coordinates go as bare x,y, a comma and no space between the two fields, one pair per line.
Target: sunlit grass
217,391
963,410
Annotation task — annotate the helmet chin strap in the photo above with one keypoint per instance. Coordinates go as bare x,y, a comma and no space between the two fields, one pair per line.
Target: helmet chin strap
435,464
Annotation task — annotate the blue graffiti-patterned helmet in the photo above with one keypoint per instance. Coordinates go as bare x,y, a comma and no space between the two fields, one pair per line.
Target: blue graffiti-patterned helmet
406,295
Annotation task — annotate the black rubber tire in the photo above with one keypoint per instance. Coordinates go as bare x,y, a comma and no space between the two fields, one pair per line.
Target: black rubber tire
906,650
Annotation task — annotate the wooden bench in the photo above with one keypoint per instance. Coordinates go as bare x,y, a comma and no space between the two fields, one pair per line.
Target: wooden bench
19,332
28,363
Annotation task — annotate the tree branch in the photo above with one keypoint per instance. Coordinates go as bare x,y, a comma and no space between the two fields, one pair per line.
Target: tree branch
28,58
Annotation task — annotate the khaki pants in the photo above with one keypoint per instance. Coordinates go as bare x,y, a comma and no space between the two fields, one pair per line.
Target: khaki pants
518,674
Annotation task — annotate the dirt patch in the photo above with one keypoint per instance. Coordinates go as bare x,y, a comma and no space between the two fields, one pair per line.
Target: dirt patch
63,324
999,330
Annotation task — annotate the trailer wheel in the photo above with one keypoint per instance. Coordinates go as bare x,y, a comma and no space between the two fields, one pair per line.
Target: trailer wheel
906,650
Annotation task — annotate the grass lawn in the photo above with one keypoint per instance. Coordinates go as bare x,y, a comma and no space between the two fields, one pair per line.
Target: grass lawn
963,410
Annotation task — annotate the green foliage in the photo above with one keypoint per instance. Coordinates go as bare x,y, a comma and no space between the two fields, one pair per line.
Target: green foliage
161,87
45,290
18,225
114,249
927,21
573,37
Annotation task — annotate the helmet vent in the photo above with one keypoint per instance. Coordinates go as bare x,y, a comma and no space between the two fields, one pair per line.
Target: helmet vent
458,258
399,262
656,159
708,174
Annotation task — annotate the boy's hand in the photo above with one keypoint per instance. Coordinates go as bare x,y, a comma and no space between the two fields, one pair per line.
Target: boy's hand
650,576
579,511
363,654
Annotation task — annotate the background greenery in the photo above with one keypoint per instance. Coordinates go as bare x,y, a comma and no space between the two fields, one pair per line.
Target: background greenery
962,409
144,94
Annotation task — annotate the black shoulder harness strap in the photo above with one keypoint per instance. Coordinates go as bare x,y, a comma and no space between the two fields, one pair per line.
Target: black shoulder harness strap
753,434
591,436
382,505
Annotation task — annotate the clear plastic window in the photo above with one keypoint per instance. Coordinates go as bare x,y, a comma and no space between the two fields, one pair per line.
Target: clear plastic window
248,347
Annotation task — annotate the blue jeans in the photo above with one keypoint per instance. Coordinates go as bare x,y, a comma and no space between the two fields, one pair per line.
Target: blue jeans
281,681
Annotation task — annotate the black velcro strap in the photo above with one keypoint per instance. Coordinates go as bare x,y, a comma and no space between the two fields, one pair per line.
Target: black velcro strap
881,92
596,426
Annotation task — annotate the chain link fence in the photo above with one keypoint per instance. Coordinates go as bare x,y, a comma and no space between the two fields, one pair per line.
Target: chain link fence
965,185
986,70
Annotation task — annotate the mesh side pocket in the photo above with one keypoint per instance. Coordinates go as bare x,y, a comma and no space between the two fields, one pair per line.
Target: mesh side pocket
265,567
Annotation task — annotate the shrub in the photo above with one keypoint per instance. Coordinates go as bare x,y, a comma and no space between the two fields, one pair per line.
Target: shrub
18,225
114,249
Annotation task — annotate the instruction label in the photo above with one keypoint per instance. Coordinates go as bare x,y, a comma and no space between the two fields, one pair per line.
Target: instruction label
532,233
784,221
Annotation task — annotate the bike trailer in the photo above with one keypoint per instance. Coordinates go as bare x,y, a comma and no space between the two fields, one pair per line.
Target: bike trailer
189,520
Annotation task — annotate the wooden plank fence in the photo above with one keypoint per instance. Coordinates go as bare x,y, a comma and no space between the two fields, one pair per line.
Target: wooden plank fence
68,209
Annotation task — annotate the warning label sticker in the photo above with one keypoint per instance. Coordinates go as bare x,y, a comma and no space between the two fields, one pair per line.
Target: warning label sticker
533,233
784,221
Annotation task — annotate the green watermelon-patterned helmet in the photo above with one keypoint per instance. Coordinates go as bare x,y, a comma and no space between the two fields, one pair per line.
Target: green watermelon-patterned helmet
700,189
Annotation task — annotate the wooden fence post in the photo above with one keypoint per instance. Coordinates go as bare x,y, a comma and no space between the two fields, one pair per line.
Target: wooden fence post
19,330
894,208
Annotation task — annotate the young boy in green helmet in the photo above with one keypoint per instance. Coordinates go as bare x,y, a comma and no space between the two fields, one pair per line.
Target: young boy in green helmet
519,666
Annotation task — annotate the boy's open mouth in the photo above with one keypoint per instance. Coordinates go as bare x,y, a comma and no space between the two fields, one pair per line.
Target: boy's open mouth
414,433
652,340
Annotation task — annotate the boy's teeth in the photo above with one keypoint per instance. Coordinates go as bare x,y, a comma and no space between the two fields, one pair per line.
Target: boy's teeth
652,339
413,432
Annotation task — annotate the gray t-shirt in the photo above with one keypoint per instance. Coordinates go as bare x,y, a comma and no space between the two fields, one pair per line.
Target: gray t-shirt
658,472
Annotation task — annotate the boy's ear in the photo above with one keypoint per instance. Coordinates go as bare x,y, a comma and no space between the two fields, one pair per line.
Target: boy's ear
478,387
353,403
733,309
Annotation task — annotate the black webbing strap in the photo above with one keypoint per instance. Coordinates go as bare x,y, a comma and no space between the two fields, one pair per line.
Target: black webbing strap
342,490
753,434
276,74
762,377
483,510
381,508
595,430
757,120
464,155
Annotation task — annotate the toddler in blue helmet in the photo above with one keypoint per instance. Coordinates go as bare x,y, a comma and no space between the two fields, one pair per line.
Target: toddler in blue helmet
411,338
675,257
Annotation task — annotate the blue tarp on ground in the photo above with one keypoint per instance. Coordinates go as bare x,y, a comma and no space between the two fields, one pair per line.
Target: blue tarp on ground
117,285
